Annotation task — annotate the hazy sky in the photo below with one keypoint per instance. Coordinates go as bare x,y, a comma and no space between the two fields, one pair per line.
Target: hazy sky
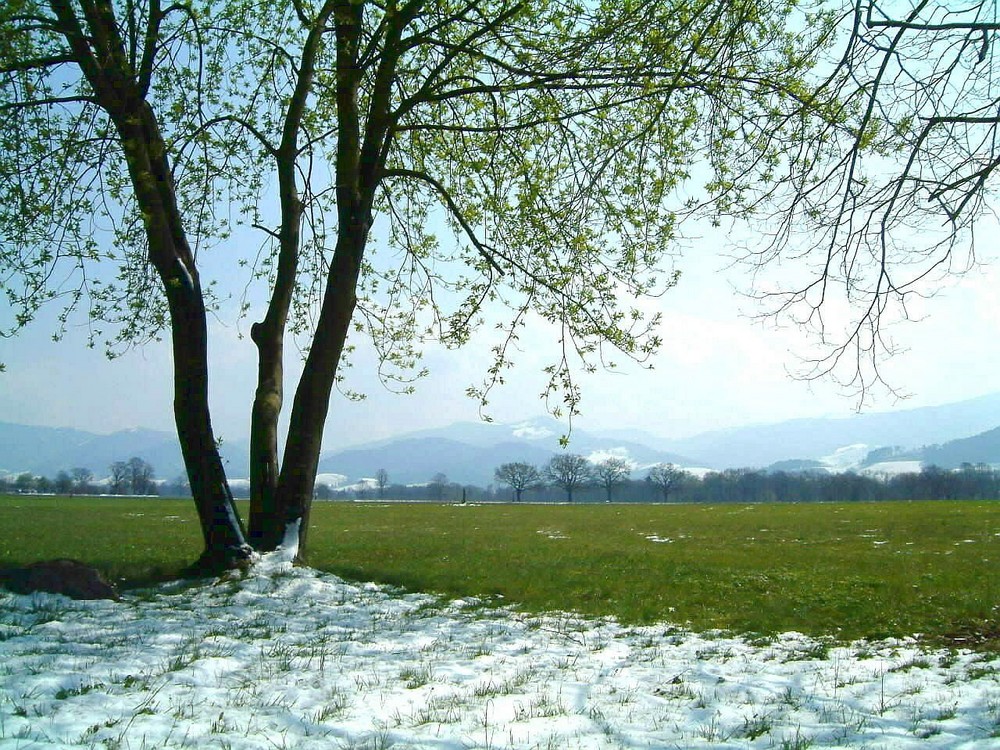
717,368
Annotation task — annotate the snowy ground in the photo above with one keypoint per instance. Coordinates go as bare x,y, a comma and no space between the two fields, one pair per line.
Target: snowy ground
292,658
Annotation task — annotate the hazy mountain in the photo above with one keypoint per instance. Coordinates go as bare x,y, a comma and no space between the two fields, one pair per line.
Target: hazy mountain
22,447
983,448
762,445
48,450
468,453
413,460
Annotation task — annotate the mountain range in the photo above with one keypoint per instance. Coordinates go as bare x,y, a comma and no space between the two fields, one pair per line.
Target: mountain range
468,453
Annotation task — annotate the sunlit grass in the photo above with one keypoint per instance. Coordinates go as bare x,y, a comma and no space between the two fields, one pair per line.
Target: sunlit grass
845,570
852,570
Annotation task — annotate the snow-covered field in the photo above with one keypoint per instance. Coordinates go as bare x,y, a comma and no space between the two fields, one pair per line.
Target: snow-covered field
292,658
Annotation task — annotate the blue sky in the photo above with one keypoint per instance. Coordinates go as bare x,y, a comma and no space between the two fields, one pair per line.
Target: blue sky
717,368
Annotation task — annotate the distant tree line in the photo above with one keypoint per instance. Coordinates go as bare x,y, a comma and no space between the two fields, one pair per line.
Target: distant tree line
572,478
581,479
132,477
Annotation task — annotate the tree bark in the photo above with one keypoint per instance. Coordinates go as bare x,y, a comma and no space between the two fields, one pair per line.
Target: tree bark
312,396
266,528
357,166
264,521
222,532
100,53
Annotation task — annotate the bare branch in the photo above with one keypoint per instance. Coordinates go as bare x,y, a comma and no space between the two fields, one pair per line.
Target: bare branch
46,102
38,63
485,251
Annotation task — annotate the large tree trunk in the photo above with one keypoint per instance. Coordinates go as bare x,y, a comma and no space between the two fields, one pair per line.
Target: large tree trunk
100,52
357,165
170,254
225,544
264,521
266,517
312,396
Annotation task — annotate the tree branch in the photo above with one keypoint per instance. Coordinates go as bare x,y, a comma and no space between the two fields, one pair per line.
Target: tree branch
486,252
22,66
48,101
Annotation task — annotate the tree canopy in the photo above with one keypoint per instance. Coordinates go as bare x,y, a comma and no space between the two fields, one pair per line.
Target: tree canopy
570,472
519,476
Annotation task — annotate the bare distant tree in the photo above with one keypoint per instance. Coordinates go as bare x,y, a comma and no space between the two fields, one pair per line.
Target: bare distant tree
119,478
140,476
569,472
667,477
181,485
519,476
25,482
382,481
63,483
82,477
437,487
611,472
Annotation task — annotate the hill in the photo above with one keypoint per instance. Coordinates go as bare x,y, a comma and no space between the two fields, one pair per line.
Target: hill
816,439
469,452
47,450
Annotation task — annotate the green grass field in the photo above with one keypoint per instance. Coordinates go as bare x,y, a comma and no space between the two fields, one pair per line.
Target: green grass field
848,571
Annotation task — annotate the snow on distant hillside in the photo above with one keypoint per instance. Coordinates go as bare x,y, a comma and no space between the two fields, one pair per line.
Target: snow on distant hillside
847,458
334,481
604,454
531,431
469,452
893,468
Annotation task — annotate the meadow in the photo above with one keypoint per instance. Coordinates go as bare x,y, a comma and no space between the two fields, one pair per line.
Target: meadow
288,656
845,571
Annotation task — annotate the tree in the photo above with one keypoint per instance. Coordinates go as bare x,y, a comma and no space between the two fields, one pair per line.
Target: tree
63,483
25,482
667,478
519,476
82,477
119,479
437,487
569,472
381,481
611,472
82,92
551,138
140,476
